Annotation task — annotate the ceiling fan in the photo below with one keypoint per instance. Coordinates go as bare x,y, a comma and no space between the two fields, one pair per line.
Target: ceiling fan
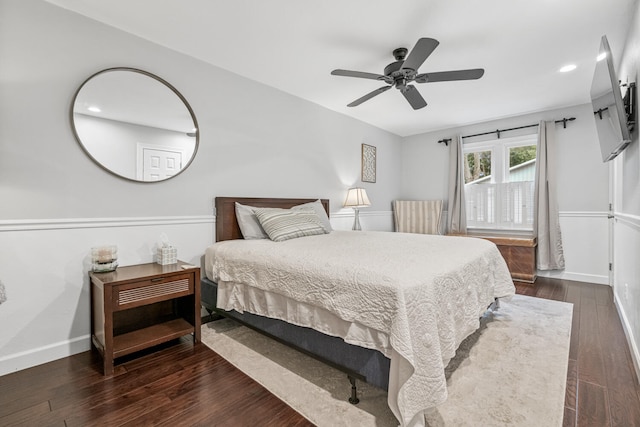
405,70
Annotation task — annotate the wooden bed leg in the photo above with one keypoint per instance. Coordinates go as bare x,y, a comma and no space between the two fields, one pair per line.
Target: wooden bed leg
354,391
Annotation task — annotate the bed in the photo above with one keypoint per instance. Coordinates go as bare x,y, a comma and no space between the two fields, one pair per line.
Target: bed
386,308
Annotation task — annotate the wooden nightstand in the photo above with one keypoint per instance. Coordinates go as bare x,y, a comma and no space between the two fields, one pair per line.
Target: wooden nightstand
139,306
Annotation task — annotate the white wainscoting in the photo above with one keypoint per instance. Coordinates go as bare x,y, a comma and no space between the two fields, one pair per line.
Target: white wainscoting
44,264
585,239
626,283
369,220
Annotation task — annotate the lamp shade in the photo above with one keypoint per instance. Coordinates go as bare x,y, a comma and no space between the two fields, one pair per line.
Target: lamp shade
357,198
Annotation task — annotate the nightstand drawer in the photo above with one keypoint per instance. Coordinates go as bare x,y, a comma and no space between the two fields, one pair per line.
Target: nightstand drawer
151,290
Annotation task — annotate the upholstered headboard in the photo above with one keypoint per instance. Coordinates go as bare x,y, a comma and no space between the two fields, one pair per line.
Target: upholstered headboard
227,227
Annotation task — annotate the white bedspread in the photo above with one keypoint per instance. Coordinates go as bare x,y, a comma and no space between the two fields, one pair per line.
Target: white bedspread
418,296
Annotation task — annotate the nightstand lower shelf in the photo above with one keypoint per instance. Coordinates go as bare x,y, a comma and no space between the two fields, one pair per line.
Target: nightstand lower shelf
147,337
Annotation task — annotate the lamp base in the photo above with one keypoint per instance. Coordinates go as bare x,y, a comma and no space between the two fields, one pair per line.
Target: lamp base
356,220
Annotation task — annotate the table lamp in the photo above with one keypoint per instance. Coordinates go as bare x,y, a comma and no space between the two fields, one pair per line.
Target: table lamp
356,199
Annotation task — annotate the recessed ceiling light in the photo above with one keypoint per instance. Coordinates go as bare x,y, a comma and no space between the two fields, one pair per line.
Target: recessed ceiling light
601,56
568,68
94,109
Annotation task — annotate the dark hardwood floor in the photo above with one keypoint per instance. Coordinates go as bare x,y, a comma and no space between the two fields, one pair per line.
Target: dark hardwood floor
602,387
179,385
188,385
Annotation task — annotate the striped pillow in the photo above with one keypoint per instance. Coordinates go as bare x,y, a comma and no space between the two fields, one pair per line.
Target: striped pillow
285,224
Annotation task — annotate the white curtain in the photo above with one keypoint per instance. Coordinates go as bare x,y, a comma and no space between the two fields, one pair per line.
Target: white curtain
546,225
457,214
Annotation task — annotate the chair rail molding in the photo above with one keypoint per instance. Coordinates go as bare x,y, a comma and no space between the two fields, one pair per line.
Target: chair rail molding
73,223
628,219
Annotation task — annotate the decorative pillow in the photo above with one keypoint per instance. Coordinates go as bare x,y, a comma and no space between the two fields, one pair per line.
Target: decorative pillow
319,210
285,224
249,224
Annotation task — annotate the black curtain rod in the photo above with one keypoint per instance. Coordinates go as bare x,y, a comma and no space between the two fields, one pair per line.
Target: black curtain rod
499,131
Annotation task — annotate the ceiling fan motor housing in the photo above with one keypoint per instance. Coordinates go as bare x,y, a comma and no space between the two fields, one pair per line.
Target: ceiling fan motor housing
393,69
400,76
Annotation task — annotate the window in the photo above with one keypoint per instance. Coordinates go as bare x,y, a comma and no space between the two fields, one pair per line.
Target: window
499,178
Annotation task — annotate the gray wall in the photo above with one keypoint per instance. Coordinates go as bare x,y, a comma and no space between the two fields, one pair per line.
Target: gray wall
628,71
583,178
583,183
57,203
255,140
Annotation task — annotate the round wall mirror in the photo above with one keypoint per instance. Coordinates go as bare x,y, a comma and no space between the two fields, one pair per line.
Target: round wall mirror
134,124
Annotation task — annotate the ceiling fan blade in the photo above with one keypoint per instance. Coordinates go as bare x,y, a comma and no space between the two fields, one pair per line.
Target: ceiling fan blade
446,76
415,99
359,74
421,51
369,96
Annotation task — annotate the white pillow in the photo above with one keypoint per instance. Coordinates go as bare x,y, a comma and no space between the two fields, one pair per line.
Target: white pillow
319,210
249,224
285,224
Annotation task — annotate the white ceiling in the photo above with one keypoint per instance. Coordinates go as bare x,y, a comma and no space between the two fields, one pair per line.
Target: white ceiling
293,45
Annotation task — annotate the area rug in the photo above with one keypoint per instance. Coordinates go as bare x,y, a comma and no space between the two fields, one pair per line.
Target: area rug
510,372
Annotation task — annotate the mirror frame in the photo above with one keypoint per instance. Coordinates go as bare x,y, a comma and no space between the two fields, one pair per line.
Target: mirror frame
155,77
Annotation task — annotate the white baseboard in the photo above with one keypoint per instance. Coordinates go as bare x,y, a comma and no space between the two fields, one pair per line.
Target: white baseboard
44,354
578,277
633,348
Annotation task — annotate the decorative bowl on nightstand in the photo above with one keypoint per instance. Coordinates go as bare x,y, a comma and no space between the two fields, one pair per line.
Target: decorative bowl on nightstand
104,258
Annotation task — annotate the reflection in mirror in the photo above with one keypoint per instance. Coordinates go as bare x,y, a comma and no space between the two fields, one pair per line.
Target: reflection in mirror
134,124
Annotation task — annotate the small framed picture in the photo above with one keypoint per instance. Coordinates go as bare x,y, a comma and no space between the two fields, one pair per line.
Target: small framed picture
368,163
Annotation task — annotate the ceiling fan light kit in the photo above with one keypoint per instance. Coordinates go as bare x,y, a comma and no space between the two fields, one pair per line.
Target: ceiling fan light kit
404,70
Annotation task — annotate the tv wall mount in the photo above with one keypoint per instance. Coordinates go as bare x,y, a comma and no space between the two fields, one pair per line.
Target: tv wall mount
629,102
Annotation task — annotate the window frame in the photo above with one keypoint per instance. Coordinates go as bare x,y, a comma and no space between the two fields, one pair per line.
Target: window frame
500,174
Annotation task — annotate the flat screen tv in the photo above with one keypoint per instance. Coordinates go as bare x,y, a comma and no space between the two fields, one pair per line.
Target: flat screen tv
608,106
